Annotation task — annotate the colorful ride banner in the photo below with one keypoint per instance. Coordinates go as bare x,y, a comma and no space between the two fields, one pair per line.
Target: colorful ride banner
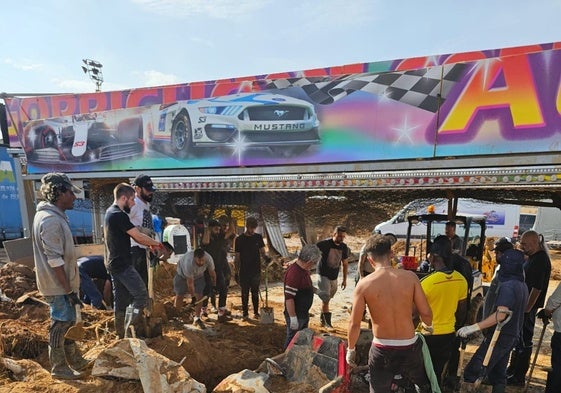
492,102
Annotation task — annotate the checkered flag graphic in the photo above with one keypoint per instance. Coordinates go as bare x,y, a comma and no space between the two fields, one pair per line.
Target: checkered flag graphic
420,88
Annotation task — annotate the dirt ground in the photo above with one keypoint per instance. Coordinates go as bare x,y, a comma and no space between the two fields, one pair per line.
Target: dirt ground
209,355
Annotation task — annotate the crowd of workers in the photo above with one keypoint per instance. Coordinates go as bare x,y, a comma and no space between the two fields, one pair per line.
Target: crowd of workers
422,348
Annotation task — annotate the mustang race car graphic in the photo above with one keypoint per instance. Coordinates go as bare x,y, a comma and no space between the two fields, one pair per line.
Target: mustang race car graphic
286,125
82,139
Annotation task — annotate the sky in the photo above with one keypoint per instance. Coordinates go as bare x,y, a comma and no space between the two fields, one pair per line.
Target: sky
150,43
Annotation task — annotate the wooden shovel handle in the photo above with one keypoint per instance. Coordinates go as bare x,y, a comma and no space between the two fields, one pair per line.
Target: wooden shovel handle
78,313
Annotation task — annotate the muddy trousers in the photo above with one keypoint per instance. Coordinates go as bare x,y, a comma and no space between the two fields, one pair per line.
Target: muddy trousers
496,369
520,359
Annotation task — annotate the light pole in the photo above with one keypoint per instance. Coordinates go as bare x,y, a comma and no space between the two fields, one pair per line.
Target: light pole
93,69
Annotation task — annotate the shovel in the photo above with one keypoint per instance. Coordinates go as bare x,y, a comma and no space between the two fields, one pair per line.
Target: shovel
267,314
150,306
191,306
545,322
30,296
76,332
489,352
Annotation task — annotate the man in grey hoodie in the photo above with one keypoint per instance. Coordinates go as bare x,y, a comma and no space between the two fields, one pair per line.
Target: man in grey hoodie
56,271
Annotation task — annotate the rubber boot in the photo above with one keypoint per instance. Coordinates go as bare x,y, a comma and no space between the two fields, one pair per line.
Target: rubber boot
74,357
518,377
120,325
134,317
59,367
499,388
326,320
467,387
513,361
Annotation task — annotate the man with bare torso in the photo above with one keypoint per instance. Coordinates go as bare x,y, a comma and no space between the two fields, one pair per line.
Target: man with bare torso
391,296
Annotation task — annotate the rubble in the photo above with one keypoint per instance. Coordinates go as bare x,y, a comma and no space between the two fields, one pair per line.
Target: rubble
132,359
236,345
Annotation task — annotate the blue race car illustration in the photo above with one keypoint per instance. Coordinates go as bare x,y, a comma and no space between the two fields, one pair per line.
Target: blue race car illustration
285,125
82,139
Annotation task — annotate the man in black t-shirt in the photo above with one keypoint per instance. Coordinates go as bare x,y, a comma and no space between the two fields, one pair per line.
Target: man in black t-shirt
250,248
334,254
128,286
538,271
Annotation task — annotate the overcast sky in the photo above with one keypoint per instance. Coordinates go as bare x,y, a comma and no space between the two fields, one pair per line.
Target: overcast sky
150,42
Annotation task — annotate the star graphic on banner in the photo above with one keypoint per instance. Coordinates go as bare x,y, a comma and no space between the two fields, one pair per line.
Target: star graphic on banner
239,147
404,131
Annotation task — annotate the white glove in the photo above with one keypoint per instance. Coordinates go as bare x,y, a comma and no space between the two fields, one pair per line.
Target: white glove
468,330
293,323
426,329
350,358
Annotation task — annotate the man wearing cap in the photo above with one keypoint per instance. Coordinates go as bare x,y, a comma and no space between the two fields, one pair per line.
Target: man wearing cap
501,246
141,217
130,293
299,291
537,270
56,271
511,298
450,231
215,243
334,253
446,292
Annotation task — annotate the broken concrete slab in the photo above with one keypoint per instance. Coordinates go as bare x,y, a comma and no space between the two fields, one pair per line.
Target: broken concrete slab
131,358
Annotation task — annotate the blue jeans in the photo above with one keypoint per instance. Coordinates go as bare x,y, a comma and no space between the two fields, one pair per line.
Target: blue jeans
128,288
553,384
89,289
496,369
302,324
60,308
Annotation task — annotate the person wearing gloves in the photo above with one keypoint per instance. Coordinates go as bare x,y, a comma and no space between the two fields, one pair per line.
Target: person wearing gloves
58,279
553,310
299,291
501,245
129,291
390,295
511,297
141,217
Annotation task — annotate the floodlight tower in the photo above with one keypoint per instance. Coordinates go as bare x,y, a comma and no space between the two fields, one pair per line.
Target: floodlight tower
93,69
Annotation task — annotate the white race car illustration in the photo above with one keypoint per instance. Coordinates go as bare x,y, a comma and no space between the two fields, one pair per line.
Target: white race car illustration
82,139
286,125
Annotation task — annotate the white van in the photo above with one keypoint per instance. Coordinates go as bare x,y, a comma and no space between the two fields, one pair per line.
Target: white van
503,220
548,223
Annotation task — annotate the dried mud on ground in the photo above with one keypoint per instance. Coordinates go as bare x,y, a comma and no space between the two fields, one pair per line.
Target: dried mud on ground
209,356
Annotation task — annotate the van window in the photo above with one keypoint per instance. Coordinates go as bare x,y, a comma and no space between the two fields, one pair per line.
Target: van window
526,222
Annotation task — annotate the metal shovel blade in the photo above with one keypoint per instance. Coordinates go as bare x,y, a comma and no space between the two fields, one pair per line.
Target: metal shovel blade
76,332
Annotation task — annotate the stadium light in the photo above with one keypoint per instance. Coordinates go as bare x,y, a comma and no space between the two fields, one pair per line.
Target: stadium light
93,69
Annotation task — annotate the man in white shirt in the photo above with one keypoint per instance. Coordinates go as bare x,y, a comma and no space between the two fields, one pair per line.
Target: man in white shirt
141,217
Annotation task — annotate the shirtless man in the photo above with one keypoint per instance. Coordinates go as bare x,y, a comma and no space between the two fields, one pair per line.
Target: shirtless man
390,295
